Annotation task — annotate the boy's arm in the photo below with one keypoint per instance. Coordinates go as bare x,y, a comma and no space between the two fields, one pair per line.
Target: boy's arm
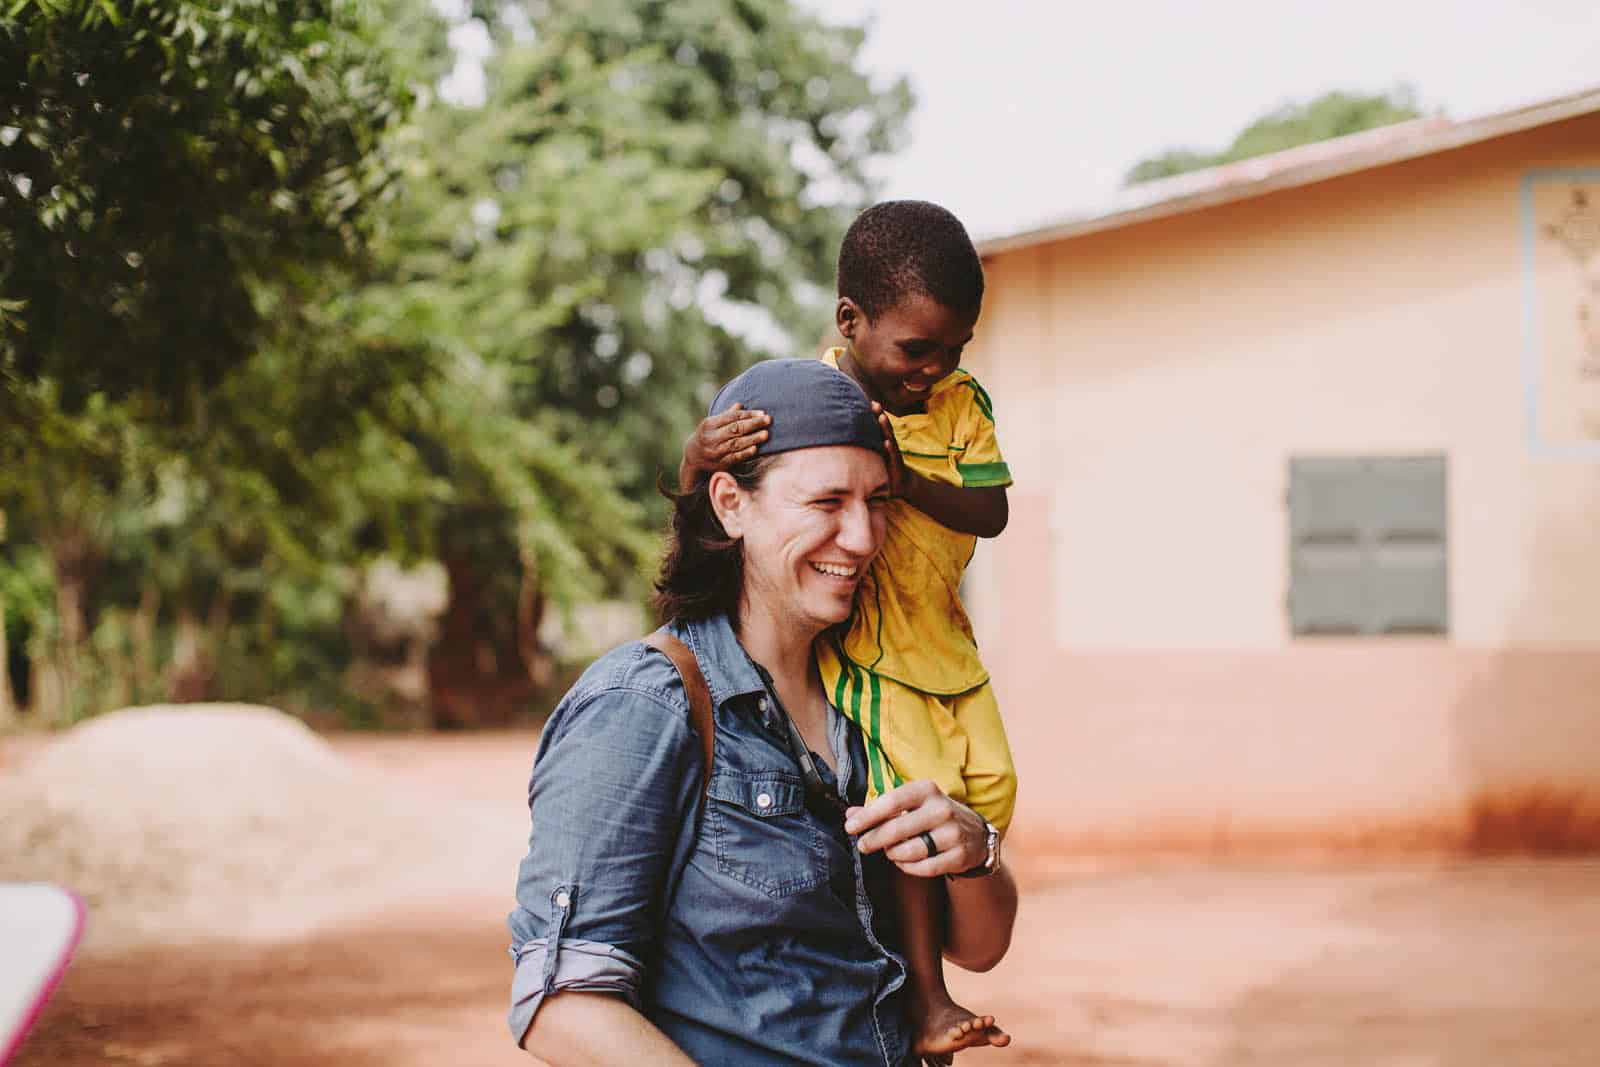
720,441
982,512
979,511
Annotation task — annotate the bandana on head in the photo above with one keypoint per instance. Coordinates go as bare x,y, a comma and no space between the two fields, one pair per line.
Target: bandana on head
812,405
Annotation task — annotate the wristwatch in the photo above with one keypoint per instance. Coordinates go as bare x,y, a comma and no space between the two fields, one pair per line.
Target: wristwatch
991,854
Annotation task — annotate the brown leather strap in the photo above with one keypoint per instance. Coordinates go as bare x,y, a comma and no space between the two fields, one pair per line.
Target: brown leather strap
694,683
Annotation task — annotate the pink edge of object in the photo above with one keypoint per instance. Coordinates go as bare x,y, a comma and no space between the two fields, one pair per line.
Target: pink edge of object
31,1016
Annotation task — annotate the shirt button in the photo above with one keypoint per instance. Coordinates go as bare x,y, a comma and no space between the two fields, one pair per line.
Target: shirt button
761,705
562,900
764,801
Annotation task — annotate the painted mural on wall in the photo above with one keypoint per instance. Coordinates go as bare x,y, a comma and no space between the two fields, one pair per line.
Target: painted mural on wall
1561,225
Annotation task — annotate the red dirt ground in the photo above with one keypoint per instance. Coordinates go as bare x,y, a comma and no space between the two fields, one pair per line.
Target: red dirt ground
1418,964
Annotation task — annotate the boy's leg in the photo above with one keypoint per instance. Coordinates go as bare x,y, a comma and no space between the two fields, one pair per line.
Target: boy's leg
911,735
942,1025
989,775
859,694
920,738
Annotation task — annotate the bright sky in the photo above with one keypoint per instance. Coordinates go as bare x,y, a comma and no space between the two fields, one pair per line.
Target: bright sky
1029,110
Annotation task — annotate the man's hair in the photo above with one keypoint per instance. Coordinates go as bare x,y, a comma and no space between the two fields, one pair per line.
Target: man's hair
702,572
901,247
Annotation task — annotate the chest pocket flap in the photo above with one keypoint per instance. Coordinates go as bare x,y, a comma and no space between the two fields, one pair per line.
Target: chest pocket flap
763,796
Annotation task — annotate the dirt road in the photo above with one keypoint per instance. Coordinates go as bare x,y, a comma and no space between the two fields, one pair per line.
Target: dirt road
1414,965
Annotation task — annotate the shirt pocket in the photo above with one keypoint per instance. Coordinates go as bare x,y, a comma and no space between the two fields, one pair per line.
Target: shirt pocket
763,835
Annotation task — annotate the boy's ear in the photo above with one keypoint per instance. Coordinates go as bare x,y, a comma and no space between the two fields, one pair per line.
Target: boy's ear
847,316
727,503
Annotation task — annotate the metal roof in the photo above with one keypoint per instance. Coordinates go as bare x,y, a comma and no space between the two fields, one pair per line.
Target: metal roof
1295,167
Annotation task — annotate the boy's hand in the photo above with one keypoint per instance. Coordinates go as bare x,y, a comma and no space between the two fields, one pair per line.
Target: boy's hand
899,474
722,440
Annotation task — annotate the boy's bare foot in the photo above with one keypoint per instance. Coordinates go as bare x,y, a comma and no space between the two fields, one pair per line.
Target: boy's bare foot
947,1028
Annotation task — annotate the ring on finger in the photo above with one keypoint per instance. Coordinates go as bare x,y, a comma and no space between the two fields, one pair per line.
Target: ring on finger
933,847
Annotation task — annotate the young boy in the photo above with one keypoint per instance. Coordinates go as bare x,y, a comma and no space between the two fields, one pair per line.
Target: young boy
906,667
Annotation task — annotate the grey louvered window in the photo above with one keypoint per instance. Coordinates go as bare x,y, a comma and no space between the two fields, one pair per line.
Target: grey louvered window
1367,545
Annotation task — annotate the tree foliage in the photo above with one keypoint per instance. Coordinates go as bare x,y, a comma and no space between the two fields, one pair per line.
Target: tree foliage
159,159
1331,115
262,321
652,195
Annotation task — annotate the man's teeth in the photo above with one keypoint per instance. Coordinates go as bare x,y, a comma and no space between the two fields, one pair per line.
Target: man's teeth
837,570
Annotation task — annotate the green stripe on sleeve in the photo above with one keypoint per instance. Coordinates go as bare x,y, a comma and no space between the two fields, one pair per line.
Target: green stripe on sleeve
980,475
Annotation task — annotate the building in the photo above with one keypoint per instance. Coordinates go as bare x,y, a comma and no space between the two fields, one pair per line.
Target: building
1305,537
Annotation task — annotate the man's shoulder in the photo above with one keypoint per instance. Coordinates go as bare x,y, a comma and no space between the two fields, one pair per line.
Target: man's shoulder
629,668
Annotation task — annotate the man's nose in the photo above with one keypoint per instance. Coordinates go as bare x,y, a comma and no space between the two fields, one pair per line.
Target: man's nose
855,530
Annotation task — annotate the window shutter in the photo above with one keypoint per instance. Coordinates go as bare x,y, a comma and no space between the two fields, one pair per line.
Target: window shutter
1408,545
1331,591
1368,545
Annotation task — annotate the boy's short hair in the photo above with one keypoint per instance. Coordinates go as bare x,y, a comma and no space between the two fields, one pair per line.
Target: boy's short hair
901,247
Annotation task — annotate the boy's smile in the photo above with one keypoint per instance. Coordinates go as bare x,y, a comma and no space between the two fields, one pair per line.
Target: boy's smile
902,354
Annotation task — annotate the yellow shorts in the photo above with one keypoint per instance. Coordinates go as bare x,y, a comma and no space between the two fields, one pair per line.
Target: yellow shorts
958,740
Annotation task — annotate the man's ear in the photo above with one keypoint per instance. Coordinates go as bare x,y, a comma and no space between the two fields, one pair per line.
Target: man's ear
847,316
727,503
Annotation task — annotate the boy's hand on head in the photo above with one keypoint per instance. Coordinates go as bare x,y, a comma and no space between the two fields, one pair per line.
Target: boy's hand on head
720,441
899,475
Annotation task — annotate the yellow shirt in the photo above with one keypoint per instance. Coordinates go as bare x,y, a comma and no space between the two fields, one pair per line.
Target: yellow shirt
908,622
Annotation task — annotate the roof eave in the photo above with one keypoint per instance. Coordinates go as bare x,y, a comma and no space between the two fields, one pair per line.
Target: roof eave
1456,135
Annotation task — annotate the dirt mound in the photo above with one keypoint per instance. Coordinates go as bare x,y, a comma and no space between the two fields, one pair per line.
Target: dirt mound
184,822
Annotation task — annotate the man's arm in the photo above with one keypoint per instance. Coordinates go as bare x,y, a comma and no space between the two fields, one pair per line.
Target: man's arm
616,779
981,916
983,911
596,1028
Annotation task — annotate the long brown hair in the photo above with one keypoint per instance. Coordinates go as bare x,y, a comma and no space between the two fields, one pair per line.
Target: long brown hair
702,572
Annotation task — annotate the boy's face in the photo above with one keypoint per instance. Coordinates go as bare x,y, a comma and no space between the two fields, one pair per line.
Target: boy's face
901,354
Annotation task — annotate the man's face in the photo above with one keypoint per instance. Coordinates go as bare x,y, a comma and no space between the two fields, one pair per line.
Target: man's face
906,350
810,531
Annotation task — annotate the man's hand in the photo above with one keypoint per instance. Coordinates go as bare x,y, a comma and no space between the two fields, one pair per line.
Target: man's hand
899,474
720,441
895,822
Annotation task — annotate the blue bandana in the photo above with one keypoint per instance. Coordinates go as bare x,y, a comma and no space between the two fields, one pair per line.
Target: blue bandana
812,405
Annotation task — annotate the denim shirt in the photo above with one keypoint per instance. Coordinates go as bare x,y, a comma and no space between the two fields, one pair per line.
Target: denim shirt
752,932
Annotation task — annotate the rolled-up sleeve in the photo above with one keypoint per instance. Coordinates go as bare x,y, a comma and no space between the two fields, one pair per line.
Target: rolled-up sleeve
613,787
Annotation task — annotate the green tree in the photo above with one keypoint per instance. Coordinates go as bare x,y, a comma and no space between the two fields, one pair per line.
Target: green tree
1331,115
258,328
646,180
650,198
174,176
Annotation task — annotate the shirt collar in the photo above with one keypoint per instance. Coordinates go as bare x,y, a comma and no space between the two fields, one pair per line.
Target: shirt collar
728,670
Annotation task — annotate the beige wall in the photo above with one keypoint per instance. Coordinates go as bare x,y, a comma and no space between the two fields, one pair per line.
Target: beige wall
1150,385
